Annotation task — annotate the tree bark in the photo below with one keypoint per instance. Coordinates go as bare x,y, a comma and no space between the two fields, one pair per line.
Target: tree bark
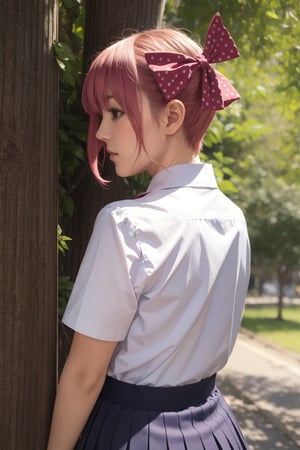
28,221
105,20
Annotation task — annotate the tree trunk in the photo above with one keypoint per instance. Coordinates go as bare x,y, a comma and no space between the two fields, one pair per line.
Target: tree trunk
283,274
108,19
280,304
105,19
28,221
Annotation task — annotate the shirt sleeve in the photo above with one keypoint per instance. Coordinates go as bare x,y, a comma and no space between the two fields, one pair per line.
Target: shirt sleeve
103,301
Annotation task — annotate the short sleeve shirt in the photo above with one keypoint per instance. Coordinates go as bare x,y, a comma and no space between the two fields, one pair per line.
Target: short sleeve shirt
165,275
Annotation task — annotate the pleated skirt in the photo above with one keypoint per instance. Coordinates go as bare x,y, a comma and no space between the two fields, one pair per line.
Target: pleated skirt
134,417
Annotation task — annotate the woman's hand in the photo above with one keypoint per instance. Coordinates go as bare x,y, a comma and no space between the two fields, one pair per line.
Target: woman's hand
78,389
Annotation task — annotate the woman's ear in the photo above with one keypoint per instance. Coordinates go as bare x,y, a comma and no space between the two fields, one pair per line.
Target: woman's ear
173,116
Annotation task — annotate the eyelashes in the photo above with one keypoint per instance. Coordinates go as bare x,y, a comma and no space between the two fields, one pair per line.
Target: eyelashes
115,113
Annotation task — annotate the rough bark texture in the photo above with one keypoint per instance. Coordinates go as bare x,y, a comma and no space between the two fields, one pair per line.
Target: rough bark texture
28,220
105,20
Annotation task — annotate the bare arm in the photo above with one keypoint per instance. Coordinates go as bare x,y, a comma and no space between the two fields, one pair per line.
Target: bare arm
78,389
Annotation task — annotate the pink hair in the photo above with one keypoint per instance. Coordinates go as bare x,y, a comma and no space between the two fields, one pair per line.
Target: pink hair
122,68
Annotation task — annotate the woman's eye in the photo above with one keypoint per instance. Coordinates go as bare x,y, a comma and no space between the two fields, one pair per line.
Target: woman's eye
115,113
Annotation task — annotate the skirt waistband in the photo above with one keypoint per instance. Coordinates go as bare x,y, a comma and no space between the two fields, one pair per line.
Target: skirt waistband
158,398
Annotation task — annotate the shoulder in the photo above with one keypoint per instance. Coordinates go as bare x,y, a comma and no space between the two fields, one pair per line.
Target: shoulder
230,208
121,212
119,226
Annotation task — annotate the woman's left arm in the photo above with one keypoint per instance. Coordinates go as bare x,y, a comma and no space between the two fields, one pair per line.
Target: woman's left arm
78,389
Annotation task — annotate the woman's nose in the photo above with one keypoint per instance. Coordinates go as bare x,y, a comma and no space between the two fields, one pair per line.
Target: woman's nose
102,133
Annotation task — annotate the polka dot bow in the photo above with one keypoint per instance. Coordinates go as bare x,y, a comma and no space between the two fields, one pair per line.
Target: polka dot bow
172,70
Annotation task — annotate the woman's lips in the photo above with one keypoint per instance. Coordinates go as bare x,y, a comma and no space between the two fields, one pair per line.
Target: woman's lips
112,155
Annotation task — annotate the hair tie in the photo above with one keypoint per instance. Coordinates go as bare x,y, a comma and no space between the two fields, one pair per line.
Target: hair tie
172,70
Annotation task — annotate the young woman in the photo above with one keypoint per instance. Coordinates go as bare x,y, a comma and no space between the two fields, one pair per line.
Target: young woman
158,300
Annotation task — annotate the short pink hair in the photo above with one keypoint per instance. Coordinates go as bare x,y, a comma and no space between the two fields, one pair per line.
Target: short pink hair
122,68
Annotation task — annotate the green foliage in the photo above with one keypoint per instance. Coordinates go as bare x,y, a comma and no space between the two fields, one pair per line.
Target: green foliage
72,123
64,283
275,226
62,240
226,178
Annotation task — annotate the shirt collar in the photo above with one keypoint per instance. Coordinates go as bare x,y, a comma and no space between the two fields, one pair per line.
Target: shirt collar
194,174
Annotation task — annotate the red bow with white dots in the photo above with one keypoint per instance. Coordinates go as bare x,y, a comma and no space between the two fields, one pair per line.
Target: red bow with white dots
172,70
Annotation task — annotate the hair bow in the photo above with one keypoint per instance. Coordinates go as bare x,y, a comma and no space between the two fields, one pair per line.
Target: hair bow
172,70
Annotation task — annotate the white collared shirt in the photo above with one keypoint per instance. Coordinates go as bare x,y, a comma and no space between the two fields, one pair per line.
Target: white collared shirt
166,275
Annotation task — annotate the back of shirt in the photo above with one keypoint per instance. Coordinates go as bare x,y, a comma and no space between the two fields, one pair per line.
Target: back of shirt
182,256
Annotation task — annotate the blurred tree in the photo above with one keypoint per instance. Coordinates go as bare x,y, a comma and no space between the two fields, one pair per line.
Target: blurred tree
275,230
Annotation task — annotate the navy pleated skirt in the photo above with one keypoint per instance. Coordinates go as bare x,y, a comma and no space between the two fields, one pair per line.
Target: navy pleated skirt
132,417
